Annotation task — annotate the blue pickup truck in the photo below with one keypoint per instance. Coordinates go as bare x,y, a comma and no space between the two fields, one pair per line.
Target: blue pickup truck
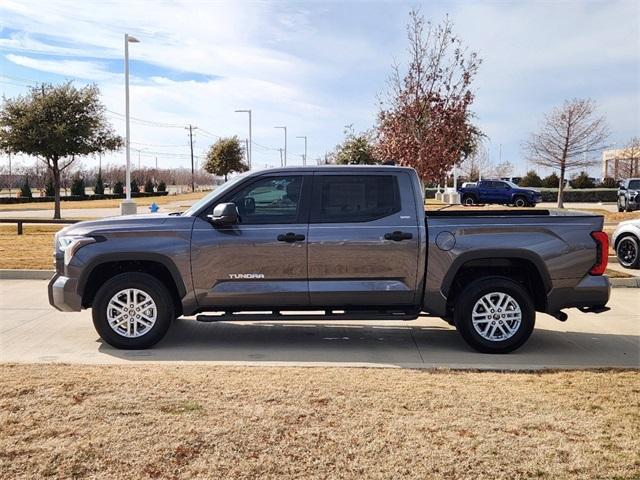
501,192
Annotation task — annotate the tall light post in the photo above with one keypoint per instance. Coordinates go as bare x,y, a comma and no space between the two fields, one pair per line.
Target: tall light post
250,139
304,159
285,144
128,206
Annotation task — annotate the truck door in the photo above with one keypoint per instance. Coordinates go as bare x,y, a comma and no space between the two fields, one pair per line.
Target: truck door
261,261
363,239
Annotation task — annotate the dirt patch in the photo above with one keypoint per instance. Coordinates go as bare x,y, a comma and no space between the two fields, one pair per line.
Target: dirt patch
159,421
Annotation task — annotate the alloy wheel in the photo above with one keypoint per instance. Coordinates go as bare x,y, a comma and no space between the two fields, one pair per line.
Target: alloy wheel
627,252
131,313
496,316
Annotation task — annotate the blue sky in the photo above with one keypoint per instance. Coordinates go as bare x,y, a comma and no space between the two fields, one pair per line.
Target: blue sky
317,66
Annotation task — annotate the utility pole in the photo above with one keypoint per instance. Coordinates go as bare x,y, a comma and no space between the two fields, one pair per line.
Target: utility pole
249,151
128,206
285,144
10,177
304,158
193,183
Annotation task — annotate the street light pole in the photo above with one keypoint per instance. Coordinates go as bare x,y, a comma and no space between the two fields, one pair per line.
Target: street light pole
249,152
304,159
193,184
285,144
128,206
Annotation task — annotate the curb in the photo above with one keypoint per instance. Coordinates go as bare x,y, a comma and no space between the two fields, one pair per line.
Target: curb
15,274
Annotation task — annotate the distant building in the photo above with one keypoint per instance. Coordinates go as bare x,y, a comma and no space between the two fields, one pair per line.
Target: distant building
621,163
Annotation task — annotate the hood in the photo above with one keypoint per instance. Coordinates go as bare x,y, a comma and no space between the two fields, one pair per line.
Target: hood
630,223
126,223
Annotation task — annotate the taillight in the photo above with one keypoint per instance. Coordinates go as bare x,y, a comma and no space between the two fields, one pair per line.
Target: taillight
602,253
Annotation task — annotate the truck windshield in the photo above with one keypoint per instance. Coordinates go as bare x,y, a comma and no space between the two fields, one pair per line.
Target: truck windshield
634,185
217,191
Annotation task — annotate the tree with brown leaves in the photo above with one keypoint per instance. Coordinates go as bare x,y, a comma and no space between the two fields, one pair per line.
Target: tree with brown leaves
425,120
568,138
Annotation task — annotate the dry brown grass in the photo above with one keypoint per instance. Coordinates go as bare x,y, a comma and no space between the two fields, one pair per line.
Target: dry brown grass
161,421
32,250
105,203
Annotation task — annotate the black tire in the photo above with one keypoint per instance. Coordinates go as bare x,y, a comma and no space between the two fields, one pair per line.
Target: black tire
628,251
469,200
147,284
473,294
520,202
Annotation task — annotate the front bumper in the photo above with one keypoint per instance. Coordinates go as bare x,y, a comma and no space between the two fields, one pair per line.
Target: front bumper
591,291
63,293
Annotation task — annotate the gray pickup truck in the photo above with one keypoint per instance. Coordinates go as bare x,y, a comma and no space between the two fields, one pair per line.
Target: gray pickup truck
350,242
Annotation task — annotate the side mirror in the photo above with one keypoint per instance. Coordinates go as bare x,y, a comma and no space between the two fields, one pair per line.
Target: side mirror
224,214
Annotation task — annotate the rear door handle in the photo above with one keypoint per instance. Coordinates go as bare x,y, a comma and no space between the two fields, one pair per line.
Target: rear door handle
291,237
398,236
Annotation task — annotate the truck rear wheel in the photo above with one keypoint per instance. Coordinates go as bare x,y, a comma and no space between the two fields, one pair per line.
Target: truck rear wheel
494,315
132,311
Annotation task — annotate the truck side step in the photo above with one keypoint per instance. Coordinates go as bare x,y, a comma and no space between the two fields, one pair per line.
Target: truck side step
301,316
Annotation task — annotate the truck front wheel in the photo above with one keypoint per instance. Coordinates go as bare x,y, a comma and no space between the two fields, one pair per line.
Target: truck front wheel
469,200
132,311
494,315
520,202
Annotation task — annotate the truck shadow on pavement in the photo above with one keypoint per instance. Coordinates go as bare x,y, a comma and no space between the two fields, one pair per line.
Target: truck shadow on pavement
400,344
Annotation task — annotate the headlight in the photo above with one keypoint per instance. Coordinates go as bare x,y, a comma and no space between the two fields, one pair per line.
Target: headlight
70,244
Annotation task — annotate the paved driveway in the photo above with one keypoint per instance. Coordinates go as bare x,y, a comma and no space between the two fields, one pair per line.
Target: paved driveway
31,331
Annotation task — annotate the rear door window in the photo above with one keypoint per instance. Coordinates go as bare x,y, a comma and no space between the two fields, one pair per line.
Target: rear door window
354,198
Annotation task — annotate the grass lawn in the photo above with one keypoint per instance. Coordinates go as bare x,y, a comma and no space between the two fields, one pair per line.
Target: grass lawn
113,203
159,421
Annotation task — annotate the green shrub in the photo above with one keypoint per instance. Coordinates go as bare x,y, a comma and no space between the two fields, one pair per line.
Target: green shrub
531,179
134,186
25,189
588,195
77,186
552,181
118,188
98,189
162,187
48,188
148,186
582,181
608,182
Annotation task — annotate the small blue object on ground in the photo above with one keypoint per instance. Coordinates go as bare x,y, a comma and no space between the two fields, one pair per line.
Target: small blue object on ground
153,208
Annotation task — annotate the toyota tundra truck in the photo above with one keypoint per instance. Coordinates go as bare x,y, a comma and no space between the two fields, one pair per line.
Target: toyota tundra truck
349,242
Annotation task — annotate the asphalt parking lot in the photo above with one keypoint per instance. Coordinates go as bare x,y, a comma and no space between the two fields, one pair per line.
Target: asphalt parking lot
32,331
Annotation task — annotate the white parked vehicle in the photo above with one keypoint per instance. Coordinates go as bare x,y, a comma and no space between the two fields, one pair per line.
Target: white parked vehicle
626,242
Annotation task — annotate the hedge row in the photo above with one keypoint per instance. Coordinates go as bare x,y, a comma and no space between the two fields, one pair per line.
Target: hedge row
75,198
586,195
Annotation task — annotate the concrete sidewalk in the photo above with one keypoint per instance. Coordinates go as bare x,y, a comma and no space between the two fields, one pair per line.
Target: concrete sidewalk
32,331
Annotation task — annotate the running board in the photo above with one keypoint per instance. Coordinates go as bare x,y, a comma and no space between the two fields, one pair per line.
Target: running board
295,317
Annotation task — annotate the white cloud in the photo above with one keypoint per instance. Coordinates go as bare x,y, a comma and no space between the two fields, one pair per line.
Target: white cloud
71,68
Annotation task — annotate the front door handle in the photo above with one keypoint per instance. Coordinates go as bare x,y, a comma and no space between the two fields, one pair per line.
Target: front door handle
291,237
398,236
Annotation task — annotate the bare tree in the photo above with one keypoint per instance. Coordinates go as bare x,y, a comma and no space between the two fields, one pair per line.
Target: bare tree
477,165
568,138
629,160
502,170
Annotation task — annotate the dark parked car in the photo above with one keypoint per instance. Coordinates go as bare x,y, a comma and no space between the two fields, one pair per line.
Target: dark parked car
499,192
629,195
352,242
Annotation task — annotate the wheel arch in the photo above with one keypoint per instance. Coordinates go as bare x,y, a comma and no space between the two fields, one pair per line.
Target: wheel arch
109,265
526,267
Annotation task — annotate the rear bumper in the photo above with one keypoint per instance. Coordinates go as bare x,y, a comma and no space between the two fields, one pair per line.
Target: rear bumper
63,294
591,291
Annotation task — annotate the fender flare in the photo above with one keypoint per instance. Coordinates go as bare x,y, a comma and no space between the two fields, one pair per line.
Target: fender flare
132,256
496,254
